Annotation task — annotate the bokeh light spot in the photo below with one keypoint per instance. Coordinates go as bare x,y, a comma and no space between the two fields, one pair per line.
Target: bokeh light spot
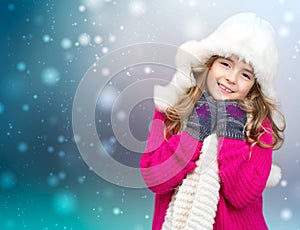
66,43
286,214
52,180
21,66
25,107
7,180
50,76
64,203
22,147
1,108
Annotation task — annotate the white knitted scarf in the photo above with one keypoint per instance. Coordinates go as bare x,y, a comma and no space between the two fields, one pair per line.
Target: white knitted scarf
194,204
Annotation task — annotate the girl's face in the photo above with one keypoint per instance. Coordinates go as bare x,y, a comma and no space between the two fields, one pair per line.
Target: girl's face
230,79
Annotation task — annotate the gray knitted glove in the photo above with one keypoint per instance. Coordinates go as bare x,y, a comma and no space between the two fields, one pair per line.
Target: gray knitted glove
202,120
231,120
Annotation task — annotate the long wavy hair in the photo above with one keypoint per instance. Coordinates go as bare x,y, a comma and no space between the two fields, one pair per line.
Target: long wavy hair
256,104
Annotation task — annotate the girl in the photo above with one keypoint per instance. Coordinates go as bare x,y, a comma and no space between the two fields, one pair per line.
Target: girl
209,153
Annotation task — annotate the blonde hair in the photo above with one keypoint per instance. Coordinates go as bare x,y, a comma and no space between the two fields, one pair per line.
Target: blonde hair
252,104
261,107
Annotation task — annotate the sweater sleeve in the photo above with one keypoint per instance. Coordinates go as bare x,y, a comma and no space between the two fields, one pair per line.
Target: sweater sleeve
165,163
244,173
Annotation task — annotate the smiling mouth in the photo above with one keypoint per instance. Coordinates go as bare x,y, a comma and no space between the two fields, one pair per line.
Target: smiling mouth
225,88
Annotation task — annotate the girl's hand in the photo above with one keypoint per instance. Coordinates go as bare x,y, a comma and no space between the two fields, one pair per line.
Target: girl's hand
202,120
231,120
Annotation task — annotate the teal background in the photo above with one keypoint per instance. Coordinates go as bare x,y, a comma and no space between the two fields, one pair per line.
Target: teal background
46,47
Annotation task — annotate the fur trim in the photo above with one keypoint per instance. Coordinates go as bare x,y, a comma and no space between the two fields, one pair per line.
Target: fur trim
186,58
275,175
165,96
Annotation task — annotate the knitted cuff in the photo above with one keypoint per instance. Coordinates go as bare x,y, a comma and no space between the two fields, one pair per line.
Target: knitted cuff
199,133
231,120
230,130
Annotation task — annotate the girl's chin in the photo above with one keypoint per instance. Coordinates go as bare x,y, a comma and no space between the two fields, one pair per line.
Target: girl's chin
223,98
219,96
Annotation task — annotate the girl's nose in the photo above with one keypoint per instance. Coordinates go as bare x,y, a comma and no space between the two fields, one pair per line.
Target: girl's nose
231,78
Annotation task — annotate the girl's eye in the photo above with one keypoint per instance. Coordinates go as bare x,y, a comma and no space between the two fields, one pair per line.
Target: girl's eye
225,64
246,76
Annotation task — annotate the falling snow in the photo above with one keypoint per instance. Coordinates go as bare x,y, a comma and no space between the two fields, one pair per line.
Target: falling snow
46,49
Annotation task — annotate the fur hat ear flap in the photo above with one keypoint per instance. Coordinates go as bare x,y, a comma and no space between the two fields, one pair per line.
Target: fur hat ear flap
275,175
183,79
186,59
187,54
165,96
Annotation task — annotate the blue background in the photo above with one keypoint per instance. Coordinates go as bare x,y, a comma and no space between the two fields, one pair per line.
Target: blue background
46,47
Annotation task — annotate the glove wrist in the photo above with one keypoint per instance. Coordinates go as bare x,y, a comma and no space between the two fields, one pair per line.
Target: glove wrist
231,120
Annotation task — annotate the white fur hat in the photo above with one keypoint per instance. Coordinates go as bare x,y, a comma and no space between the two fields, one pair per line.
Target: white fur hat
245,35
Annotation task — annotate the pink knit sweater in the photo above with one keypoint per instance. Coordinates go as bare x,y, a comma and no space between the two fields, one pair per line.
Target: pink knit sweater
243,177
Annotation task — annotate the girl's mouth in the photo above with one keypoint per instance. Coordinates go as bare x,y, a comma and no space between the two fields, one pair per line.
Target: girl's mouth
224,88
